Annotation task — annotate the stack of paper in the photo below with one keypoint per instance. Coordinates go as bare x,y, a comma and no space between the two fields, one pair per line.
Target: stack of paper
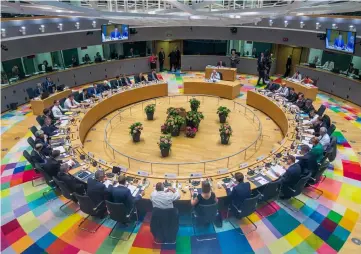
279,170
64,123
61,149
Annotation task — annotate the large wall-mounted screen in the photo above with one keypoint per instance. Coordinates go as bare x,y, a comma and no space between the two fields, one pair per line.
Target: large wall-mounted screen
115,32
342,41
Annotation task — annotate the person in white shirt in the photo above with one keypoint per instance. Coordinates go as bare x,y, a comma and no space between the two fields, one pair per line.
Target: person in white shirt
164,199
282,91
313,118
316,61
324,138
297,76
107,85
58,110
70,102
215,76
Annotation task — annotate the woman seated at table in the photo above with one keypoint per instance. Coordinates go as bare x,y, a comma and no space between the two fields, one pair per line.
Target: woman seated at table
207,197
307,80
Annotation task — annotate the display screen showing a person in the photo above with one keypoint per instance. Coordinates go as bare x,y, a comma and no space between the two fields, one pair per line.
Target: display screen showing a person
351,43
115,34
339,42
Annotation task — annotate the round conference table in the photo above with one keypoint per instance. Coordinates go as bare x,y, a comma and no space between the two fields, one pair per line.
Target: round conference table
85,121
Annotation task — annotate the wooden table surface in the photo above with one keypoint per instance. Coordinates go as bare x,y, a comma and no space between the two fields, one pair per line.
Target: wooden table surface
39,105
228,74
309,92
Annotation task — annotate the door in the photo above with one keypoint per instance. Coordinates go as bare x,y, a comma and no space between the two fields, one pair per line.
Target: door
168,46
282,54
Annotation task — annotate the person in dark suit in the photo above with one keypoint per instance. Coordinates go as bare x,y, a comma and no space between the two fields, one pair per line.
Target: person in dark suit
74,61
240,192
292,96
93,90
131,53
139,78
115,34
49,113
261,66
117,82
173,60
178,58
38,90
221,64
290,178
71,182
126,81
52,165
40,139
161,58
98,192
308,106
153,76
36,154
121,194
339,42
49,85
307,161
98,58
48,128
84,95
288,66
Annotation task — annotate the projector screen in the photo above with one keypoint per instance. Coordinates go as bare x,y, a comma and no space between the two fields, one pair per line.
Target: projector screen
342,41
115,32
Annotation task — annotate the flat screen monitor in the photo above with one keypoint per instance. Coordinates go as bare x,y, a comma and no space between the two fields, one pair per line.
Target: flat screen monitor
341,41
115,32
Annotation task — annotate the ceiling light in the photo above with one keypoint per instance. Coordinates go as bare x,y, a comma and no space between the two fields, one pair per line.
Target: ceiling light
286,23
270,22
94,24
238,17
318,25
60,27
77,25
42,28
3,32
23,30
334,26
352,28
231,16
151,12
58,11
302,24
300,14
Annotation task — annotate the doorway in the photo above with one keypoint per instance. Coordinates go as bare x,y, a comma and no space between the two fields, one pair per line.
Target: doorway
168,46
282,54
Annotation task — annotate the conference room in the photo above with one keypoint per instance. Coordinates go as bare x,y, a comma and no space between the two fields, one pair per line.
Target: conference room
230,131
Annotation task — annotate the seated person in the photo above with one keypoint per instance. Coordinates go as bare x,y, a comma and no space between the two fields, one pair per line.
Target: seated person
126,81
283,91
164,199
87,58
308,106
292,96
317,149
38,90
48,128
121,194
48,113
139,78
117,83
240,192
49,85
106,85
57,110
297,76
324,138
37,155
71,182
313,118
350,70
98,58
98,192
307,80
316,126
153,76
207,197
84,95
329,65
304,159
93,90
215,76
290,178
71,103
41,139
221,64
52,165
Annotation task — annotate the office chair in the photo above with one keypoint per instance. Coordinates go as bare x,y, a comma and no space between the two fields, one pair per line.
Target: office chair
48,180
118,212
205,215
31,93
321,110
40,120
164,230
248,207
318,178
66,193
30,160
327,121
331,129
331,150
270,191
33,130
31,142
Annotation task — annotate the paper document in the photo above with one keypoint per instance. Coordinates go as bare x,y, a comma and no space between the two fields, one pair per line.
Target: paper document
132,188
271,174
61,149
278,169
261,180
64,123
107,183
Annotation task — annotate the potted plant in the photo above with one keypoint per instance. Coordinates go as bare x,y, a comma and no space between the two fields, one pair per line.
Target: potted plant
191,132
194,104
225,131
171,111
149,110
194,118
174,124
135,130
165,142
223,113
164,128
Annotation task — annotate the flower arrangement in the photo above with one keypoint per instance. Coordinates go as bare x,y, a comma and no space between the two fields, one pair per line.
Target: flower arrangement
136,128
149,108
191,132
194,118
225,130
171,111
194,104
223,111
165,142
174,124
164,128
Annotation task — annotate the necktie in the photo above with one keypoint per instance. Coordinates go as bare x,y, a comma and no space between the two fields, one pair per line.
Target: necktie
72,103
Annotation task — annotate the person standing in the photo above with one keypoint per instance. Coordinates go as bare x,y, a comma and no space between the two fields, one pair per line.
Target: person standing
153,62
288,66
161,58
261,65
173,60
234,59
178,58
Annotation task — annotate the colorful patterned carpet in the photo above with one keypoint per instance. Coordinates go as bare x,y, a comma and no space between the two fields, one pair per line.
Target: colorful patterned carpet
30,224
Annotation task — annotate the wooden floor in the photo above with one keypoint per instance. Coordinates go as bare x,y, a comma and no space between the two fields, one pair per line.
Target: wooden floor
205,146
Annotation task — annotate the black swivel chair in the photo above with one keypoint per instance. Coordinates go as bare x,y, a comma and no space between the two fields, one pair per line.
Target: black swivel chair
321,110
31,142
40,120
297,190
66,193
31,93
269,192
119,213
164,225
326,121
248,207
30,160
76,94
62,101
204,215
331,151
318,178
331,129
48,180
33,130
87,206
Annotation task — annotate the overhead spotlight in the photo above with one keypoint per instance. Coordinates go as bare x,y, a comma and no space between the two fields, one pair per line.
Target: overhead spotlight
238,17
302,24
94,24
270,22
42,28
334,26
231,16
3,32
318,25
77,25
352,28
286,23
60,27
23,30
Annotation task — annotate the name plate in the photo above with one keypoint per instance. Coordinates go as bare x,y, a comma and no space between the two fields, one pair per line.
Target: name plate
196,175
124,170
102,161
90,155
243,165
170,175
142,173
222,171
260,158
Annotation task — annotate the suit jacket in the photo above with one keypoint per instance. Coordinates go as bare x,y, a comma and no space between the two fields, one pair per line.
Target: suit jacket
292,175
117,83
97,191
46,147
124,81
52,167
172,57
261,64
308,163
71,183
292,97
151,78
38,91
37,158
137,79
122,194
115,34
289,62
223,64
161,56
49,130
239,193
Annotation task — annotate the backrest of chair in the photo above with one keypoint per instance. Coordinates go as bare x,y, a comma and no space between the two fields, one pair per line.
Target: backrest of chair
300,185
33,130
76,94
324,165
207,213
272,190
63,187
275,86
30,92
321,110
62,101
249,206
47,178
327,120
117,211
31,142
164,224
331,151
28,158
86,204
40,120
331,129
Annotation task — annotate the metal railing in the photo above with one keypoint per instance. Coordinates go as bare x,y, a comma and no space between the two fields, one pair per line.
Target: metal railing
245,110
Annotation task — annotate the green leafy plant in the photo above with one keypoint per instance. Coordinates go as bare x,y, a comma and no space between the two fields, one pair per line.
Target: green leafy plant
171,111
149,108
223,111
225,130
135,128
194,104
194,117
174,122
165,142
191,132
